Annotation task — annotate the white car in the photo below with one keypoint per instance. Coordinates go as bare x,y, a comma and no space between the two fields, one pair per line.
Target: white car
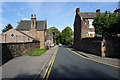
60,44
52,45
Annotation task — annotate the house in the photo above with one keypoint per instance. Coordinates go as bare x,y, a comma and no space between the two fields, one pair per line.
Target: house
49,39
13,36
34,28
83,23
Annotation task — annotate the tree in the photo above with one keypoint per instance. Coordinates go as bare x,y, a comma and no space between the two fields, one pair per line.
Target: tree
105,23
66,36
56,34
8,27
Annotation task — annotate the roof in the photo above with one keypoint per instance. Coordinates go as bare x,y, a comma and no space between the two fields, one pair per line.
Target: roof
87,14
49,36
26,25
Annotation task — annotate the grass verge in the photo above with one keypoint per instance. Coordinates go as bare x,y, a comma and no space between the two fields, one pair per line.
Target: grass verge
37,52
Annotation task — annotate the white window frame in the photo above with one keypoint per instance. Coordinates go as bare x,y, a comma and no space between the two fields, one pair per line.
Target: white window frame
93,33
90,23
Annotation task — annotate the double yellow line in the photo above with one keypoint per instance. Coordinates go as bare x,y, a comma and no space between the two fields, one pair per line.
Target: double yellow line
48,70
94,59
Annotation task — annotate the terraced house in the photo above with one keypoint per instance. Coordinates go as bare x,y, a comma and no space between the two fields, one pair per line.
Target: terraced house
34,28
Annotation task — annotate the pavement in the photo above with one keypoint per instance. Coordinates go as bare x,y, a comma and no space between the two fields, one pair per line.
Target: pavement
113,61
26,67
67,65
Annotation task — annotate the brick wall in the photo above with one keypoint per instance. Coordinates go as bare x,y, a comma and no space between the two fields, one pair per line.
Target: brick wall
11,50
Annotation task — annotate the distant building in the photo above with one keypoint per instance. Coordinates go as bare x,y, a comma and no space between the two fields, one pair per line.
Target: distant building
49,39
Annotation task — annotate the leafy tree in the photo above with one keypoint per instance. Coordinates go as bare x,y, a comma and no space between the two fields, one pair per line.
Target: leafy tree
56,34
8,27
66,36
105,24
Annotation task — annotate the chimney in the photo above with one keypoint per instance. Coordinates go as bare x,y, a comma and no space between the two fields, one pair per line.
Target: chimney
77,10
32,21
98,10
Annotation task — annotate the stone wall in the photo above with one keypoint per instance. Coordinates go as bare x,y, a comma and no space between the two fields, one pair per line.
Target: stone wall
90,46
11,50
112,46
107,47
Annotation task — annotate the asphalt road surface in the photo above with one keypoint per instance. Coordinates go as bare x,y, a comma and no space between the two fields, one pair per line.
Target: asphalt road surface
68,65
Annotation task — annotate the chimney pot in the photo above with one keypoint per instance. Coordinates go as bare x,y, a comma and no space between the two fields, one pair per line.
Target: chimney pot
34,15
77,10
31,20
31,15
34,20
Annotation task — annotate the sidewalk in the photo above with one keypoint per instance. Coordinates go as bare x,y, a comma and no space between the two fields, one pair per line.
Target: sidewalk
112,61
26,66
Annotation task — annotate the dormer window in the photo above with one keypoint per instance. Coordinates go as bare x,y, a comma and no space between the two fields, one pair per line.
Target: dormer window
90,23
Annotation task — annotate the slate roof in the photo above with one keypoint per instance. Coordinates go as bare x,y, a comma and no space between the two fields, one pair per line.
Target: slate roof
26,25
88,14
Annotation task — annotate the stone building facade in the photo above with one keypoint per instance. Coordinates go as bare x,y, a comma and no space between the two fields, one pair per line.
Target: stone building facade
35,28
14,36
49,39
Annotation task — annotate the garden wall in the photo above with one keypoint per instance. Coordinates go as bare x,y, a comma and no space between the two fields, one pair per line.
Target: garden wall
11,50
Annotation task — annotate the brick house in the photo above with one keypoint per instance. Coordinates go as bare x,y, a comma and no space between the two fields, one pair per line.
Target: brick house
35,28
14,36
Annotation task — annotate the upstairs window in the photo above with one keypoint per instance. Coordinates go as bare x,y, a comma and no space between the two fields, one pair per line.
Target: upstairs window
90,23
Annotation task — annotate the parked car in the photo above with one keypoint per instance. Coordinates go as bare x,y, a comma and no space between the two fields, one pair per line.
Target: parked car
52,45
60,44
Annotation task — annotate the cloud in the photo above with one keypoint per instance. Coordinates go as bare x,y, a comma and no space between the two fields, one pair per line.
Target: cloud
26,19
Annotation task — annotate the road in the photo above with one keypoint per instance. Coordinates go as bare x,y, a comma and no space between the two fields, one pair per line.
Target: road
68,65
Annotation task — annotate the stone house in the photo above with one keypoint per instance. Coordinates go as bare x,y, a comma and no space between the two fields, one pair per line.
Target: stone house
35,28
84,33
14,36
49,39
83,23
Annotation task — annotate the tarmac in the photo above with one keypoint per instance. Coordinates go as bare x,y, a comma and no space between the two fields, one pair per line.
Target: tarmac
113,61
26,67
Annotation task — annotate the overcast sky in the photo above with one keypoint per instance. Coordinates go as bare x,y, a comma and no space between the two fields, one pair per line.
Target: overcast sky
57,14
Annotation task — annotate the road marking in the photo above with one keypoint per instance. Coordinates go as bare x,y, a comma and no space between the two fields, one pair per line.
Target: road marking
50,66
94,59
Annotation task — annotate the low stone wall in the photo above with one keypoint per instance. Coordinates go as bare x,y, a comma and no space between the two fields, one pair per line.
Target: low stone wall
89,45
11,50
112,46
109,46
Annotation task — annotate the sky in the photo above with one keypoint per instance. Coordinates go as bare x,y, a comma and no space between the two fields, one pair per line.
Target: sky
57,14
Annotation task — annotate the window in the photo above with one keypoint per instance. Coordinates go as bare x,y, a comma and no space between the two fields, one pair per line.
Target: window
91,34
90,23
12,35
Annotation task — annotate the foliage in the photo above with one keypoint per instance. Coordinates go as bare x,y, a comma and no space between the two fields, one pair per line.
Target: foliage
8,27
106,24
37,52
56,34
66,36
